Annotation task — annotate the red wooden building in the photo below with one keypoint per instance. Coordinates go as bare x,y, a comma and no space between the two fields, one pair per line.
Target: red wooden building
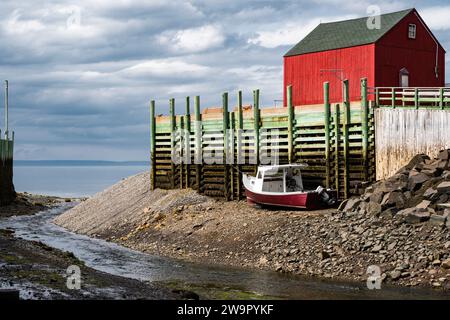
402,52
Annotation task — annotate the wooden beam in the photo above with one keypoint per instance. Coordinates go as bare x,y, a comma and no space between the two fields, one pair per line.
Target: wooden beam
337,116
152,146
198,143
225,127
346,139
172,140
256,124
187,137
365,127
326,98
240,158
416,98
290,128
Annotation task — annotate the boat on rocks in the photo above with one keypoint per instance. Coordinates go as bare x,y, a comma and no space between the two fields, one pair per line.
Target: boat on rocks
282,186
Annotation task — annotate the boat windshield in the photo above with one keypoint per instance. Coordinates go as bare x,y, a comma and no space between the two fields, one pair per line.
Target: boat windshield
287,179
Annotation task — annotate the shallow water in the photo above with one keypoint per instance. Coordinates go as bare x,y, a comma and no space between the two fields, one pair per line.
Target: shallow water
211,280
69,180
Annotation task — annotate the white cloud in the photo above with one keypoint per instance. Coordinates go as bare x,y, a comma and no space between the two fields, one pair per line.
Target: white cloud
193,40
291,32
165,67
437,18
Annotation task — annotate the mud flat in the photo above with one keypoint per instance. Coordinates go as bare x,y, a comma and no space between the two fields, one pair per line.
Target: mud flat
331,244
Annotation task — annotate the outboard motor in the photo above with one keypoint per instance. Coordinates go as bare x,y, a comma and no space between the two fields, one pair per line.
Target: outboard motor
325,197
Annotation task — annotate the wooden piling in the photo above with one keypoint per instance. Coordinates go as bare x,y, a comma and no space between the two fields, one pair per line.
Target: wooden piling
337,138
172,140
256,125
416,98
152,146
187,136
225,128
346,138
182,151
231,156
326,100
393,97
365,127
198,143
290,128
240,157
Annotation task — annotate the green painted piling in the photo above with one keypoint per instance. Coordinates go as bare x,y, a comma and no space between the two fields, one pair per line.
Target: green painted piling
187,137
198,143
337,138
182,151
365,127
152,146
240,158
232,171
326,100
291,120
225,127
346,138
172,140
256,124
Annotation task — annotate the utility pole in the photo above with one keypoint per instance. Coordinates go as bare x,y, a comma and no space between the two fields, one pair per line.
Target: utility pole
6,109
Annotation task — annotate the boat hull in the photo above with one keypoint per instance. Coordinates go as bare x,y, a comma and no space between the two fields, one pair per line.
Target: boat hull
305,200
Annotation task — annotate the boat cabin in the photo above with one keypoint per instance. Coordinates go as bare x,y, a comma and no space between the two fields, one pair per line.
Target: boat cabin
279,178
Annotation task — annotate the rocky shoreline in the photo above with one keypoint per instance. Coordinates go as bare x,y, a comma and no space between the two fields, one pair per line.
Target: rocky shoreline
334,244
33,270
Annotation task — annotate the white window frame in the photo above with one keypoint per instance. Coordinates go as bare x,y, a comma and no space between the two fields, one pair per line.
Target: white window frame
412,31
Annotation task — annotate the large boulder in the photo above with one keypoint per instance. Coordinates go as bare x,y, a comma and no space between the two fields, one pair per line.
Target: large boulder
394,199
444,154
419,158
444,186
416,181
414,215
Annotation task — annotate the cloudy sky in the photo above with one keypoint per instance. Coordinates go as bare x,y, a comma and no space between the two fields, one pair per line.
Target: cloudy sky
82,72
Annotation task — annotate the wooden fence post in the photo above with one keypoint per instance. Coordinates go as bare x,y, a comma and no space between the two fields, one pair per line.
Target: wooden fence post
198,144
187,134
441,98
416,98
337,138
240,158
152,146
225,127
290,125
172,141
326,96
365,127
393,97
377,97
256,124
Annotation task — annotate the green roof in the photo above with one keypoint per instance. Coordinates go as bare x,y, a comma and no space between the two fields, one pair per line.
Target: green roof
344,34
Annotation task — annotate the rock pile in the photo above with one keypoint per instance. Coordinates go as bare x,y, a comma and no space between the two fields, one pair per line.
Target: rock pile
419,192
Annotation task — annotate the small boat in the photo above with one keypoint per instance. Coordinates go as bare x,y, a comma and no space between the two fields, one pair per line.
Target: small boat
282,186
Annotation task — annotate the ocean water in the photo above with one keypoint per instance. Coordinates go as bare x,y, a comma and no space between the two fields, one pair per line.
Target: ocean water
71,178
